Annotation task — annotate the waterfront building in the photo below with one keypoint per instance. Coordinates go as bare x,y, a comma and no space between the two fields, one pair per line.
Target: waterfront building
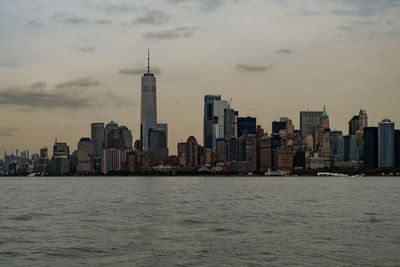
208,121
117,137
351,148
111,160
97,137
370,148
158,147
247,125
386,143
309,120
192,160
60,160
397,148
354,125
358,122
148,115
314,163
84,155
283,159
164,126
268,144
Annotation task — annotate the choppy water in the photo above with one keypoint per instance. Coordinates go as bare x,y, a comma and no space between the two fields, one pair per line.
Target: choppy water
191,221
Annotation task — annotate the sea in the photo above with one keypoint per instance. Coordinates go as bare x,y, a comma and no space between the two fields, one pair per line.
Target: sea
200,221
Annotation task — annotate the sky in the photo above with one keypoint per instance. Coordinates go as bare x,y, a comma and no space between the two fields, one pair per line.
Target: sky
66,64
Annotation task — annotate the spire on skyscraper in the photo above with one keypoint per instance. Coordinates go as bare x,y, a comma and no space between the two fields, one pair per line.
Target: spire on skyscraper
148,60
324,114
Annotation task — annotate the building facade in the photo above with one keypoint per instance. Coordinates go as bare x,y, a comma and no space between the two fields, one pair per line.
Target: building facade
386,143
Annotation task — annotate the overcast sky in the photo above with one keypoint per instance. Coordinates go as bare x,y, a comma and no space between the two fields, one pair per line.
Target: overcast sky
66,64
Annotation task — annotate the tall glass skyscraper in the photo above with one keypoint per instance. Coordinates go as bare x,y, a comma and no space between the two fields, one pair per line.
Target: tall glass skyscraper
309,120
209,119
386,143
148,115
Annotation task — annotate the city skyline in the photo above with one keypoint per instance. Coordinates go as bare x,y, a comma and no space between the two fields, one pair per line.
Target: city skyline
275,63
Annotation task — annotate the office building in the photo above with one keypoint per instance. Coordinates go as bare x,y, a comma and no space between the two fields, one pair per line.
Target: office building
60,160
397,148
158,148
209,119
309,120
118,137
111,160
370,147
148,115
247,125
192,157
386,144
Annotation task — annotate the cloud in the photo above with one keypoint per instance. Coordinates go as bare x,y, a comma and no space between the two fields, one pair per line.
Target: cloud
8,131
170,34
283,51
75,21
155,17
87,49
34,23
365,8
252,68
10,64
138,71
80,82
38,85
119,100
102,21
117,8
27,96
204,4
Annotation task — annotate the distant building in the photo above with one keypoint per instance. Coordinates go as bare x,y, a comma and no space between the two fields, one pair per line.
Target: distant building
158,147
117,137
268,144
358,122
208,121
386,143
111,160
309,120
97,134
314,163
370,147
278,126
283,159
60,160
247,125
192,160
397,148
84,155
164,126
148,114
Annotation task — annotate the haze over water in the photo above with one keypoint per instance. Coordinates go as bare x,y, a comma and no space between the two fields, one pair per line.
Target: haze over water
191,221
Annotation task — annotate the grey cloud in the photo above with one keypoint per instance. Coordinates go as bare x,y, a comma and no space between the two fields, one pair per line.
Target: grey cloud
283,51
121,8
156,17
80,82
252,68
138,71
75,21
38,85
34,23
8,131
87,49
27,96
10,64
365,8
102,21
170,34
204,4
119,100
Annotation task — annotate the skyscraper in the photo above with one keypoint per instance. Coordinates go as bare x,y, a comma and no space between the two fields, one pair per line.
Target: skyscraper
97,138
358,122
370,147
208,121
309,120
397,148
386,143
148,115
247,125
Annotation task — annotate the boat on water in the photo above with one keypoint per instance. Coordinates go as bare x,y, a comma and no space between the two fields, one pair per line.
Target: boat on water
335,174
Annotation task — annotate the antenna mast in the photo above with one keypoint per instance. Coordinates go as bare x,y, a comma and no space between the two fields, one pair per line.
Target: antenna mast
148,61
